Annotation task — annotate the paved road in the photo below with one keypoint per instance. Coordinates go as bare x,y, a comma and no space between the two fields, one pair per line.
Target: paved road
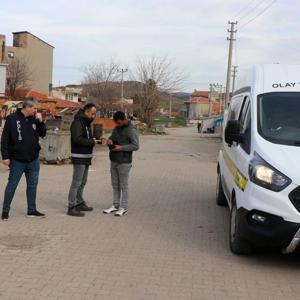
171,245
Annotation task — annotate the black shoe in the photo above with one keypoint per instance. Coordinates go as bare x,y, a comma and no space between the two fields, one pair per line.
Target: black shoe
4,216
36,214
83,207
75,212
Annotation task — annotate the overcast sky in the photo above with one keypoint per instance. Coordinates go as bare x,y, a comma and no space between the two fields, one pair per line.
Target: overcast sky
192,32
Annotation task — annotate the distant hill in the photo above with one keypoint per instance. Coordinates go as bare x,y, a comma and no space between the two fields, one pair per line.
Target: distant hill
182,95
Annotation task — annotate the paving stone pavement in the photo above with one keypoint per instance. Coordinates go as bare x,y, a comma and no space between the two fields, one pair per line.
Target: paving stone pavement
171,245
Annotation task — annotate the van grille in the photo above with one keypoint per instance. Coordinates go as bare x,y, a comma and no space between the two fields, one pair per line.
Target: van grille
295,198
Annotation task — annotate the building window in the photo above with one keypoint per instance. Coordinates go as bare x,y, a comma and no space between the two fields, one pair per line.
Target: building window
69,97
10,54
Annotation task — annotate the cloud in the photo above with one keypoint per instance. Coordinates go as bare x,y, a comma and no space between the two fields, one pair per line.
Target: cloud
192,32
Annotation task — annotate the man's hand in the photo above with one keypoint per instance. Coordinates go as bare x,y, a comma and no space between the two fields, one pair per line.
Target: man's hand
100,141
6,162
109,142
39,117
117,148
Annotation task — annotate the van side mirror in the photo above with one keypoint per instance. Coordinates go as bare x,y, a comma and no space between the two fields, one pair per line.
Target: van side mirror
233,132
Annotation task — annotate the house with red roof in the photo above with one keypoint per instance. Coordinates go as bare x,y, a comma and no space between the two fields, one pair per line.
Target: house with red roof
199,107
46,103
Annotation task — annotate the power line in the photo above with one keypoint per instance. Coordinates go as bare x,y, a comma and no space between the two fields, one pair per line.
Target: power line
241,10
258,15
252,9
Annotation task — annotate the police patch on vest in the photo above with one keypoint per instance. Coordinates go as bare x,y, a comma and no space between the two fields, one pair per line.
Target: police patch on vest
34,126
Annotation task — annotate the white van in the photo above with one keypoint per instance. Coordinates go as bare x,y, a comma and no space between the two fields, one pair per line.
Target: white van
259,163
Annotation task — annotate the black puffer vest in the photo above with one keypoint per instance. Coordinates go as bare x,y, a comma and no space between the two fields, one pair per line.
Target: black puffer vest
120,136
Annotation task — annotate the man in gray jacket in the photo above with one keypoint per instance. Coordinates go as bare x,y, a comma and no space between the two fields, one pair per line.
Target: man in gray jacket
123,141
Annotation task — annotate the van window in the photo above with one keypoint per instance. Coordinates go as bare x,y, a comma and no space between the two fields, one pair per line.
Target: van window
245,119
234,108
278,117
244,109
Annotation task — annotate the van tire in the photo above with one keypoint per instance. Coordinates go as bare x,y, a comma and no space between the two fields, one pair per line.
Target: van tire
220,195
237,244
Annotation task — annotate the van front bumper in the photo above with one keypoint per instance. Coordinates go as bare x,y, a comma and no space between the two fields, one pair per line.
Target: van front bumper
262,230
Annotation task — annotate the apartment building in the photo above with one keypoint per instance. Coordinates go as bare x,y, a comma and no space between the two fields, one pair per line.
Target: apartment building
38,54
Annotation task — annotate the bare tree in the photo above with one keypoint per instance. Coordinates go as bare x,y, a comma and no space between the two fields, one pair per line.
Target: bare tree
159,76
99,82
18,75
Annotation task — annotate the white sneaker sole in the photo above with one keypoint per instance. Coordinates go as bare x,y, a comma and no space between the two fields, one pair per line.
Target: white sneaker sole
37,217
123,214
108,213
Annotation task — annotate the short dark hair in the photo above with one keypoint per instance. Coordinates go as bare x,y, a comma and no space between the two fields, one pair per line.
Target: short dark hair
119,115
88,106
28,102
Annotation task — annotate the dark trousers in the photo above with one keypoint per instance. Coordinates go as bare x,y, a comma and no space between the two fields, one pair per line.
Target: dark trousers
80,175
31,170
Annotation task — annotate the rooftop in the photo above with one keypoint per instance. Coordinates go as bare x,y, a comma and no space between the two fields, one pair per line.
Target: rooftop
27,32
197,93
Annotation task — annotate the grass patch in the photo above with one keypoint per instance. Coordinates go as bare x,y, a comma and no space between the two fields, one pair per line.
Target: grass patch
178,121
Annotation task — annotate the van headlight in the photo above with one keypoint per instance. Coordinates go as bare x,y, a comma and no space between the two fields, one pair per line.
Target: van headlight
263,174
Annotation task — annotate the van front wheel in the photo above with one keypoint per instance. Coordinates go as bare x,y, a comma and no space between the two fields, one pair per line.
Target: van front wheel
236,243
220,196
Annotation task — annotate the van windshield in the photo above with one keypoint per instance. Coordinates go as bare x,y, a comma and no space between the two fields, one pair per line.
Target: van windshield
279,118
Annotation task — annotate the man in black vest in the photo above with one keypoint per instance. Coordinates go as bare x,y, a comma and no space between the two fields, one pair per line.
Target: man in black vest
123,141
20,152
82,144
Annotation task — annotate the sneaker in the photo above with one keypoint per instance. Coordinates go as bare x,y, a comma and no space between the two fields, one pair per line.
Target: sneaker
110,210
36,214
4,216
83,207
121,212
74,212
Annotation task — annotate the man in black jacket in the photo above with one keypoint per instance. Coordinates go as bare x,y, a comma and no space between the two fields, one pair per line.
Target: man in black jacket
20,152
82,144
123,141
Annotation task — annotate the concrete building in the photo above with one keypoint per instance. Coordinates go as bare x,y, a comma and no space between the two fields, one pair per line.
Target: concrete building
36,52
2,79
69,92
197,108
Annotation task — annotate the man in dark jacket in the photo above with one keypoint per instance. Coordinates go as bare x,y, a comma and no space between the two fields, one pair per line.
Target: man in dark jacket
123,141
20,152
82,144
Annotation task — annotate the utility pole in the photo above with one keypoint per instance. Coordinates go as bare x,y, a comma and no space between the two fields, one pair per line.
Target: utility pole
170,106
220,87
209,98
221,98
122,71
234,72
231,39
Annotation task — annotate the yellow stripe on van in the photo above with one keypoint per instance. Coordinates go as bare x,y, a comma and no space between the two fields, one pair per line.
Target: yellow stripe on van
239,178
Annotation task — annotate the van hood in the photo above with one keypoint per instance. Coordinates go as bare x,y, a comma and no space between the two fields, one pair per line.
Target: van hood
284,158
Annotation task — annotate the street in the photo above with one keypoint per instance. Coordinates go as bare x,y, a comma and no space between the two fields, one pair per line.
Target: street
172,244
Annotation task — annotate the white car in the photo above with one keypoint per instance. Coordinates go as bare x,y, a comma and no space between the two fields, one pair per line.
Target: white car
259,163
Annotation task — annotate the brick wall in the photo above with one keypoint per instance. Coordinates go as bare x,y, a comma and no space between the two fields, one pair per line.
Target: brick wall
106,123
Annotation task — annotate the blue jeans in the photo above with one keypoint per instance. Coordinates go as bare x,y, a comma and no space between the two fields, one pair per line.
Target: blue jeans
16,171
